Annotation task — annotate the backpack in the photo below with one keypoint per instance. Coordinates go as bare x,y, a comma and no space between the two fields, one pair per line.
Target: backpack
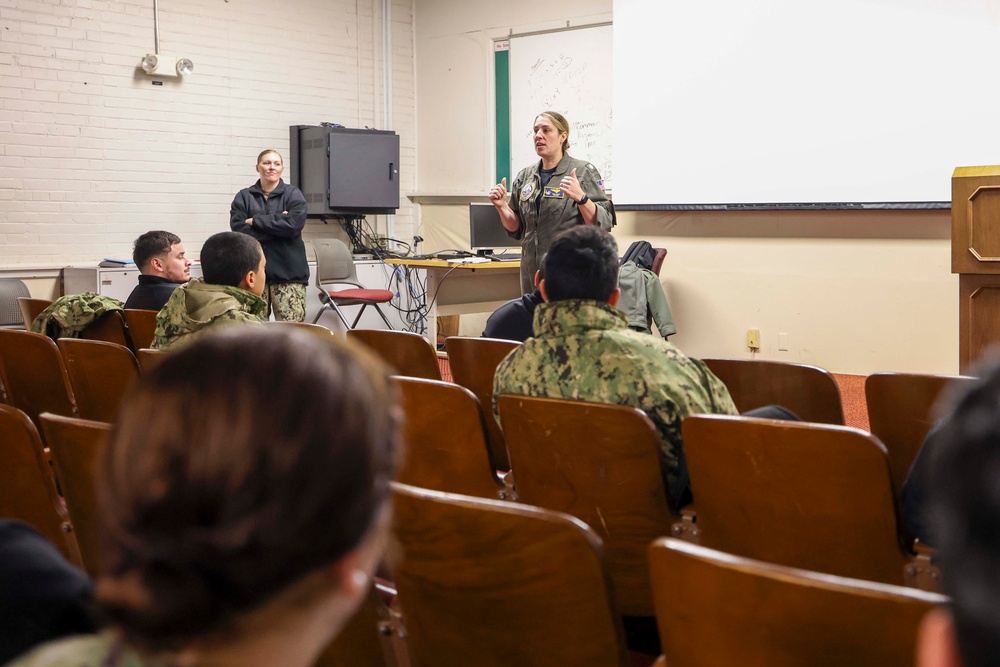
640,252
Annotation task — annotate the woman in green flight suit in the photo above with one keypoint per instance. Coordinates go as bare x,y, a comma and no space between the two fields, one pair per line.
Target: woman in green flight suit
553,195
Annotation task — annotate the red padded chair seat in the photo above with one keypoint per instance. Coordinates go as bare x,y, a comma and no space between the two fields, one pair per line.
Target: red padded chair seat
379,295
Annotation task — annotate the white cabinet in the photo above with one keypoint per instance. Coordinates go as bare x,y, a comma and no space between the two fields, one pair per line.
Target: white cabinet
119,282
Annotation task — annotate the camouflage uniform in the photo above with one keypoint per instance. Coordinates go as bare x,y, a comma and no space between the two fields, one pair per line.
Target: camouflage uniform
68,315
584,350
545,212
198,305
286,300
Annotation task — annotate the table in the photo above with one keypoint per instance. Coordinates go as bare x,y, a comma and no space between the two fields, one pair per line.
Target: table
454,288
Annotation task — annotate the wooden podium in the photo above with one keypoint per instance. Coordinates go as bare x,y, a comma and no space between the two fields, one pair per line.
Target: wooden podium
975,256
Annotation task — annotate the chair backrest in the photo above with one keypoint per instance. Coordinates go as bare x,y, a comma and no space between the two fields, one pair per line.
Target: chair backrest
813,496
809,391
100,374
27,486
714,608
314,329
901,413
76,446
409,353
33,374
31,308
110,328
661,254
10,310
445,439
490,583
148,358
599,463
141,325
473,364
334,262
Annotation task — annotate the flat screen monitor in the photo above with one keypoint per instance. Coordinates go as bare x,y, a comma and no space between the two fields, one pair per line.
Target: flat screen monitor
486,232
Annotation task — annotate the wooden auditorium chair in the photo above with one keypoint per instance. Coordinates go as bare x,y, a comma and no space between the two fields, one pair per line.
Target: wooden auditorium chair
714,608
33,375
812,496
314,329
76,446
408,353
110,328
901,413
601,464
32,308
27,485
473,363
445,439
494,584
100,374
148,358
809,391
141,327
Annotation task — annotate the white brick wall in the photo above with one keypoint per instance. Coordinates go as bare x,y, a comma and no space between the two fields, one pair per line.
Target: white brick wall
92,154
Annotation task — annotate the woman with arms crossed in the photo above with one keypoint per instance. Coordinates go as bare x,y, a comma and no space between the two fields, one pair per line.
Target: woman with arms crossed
551,196
274,213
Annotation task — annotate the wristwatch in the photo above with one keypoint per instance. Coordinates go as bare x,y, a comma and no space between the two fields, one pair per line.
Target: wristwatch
583,200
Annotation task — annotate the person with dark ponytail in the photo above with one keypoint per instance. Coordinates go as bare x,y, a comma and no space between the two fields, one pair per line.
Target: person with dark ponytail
243,504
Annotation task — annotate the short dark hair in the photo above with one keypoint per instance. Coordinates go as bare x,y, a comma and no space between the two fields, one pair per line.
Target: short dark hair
221,486
964,513
582,263
227,257
152,244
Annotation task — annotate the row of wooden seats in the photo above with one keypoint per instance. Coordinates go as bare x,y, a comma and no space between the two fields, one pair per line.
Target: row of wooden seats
490,583
823,597
28,488
77,377
131,328
551,600
899,404
652,449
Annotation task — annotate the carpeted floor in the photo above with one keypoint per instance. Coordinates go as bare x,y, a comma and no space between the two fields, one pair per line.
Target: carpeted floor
852,395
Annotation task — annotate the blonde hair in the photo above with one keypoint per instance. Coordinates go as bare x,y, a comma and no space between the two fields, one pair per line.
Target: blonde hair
269,150
561,124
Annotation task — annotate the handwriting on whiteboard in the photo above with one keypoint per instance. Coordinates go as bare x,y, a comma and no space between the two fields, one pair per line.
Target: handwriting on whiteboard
568,72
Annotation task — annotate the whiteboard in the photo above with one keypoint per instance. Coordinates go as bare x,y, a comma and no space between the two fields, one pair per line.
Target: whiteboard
568,71
784,101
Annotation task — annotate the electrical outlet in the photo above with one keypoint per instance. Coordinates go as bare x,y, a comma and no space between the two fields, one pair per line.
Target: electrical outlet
782,342
753,339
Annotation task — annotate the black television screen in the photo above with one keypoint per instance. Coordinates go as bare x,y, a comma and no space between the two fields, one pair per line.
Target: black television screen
486,232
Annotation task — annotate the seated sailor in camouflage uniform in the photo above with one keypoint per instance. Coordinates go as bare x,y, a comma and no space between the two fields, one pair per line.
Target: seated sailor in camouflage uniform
583,350
233,269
